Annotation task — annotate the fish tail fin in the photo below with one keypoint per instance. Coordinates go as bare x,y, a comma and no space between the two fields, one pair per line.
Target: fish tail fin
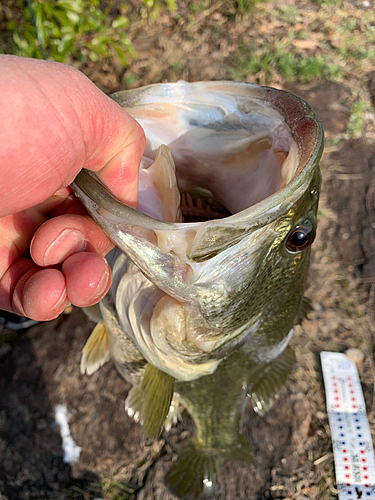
194,475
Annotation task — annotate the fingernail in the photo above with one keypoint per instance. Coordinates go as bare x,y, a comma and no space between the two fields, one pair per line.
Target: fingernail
66,244
61,302
102,284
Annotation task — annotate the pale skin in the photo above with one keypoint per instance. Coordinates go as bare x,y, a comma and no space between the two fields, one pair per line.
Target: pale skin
54,122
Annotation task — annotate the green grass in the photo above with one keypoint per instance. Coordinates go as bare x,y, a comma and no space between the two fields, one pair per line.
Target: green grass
198,5
289,13
327,3
280,58
129,79
114,490
356,119
247,5
70,30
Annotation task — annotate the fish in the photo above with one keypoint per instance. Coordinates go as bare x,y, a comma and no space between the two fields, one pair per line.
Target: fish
209,271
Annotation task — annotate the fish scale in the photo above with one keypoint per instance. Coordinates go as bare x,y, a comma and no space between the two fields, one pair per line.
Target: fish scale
351,438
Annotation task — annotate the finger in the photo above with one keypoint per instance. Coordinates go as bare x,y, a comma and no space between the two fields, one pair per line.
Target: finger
60,237
71,124
88,278
120,172
17,230
27,290
12,275
41,294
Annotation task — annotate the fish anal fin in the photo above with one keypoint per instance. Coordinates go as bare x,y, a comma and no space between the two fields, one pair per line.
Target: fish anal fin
194,475
157,393
96,351
174,414
264,392
134,404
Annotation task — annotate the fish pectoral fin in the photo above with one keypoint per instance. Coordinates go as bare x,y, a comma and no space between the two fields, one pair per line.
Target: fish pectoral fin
157,393
96,350
304,309
264,392
194,475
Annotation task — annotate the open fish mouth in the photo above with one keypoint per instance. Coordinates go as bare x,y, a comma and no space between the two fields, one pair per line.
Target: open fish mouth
240,151
229,175
234,144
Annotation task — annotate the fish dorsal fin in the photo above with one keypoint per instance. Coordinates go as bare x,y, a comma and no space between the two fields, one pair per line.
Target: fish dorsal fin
304,309
157,393
158,188
264,393
96,350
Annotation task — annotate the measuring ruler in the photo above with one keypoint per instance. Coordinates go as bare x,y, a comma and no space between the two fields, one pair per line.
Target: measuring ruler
351,438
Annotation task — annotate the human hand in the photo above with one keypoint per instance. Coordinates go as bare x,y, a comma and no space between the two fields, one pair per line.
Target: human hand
54,122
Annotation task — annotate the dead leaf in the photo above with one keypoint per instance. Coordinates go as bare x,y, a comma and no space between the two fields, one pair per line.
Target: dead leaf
306,44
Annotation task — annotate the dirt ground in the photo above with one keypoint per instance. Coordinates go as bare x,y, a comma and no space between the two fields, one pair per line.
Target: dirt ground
39,368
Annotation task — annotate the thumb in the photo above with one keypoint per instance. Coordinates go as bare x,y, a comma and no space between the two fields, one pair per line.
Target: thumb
56,122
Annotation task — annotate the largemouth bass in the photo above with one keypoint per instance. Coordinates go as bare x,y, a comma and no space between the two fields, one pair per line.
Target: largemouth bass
209,271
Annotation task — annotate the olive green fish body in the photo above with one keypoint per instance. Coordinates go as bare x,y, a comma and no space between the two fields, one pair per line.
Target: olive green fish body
201,312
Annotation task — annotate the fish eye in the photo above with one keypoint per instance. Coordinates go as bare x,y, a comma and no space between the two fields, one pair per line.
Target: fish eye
300,238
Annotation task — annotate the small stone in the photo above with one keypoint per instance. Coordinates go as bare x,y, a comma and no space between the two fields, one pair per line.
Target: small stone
68,309
355,355
321,415
317,307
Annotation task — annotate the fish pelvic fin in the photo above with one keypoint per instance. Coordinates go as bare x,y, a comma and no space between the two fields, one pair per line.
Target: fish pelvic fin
305,309
96,350
93,313
156,393
265,392
194,475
